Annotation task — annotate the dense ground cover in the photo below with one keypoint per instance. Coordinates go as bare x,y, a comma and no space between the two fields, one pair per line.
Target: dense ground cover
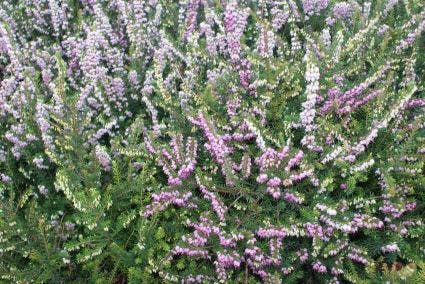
212,141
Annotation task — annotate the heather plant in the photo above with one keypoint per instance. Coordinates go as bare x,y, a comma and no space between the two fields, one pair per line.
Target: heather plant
201,141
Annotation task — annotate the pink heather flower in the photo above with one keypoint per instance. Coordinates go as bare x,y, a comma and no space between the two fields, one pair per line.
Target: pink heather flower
274,182
185,158
319,267
338,79
313,230
103,157
191,14
165,198
355,256
279,17
274,192
390,248
330,21
314,7
303,255
271,158
190,252
336,271
410,206
228,260
216,145
415,103
301,176
287,270
218,206
290,197
185,171
343,10
266,43
272,233
148,145
234,23
294,161
174,181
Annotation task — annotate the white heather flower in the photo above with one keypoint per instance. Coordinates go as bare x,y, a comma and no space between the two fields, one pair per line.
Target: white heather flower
326,37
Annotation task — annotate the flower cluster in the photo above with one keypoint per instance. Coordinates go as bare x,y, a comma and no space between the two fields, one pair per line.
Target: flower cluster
181,162
312,7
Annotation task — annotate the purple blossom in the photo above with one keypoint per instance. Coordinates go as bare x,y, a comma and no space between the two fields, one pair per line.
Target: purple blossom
390,248
218,206
343,10
319,267
314,7
215,143
272,232
103,157
292,198
165,198
234,23
294,161
191,14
